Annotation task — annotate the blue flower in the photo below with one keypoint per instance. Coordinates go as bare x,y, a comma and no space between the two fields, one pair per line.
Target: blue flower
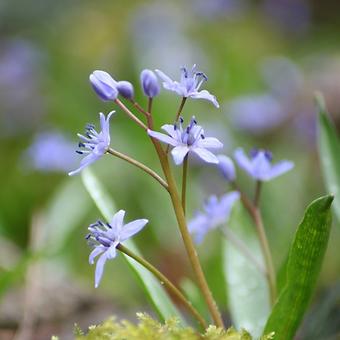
189,85
106,237
149,83
188,140
104,85
216,213
227,168
95,143
259,164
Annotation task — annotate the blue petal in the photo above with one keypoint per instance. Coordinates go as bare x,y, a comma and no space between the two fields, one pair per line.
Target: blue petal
261,166
178,153
204,154
279,169
132,228
243,161
99,269
95,252
162,137
204,94
117,222
210,143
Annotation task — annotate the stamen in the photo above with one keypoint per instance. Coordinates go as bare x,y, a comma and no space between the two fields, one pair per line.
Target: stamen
87,236
108,225
80,152
268,155
253,152
181,119
202,136
185,71
81,145
175,127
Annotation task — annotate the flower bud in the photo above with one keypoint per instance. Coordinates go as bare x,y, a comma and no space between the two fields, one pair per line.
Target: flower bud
104,85
125,89
149,83
227,168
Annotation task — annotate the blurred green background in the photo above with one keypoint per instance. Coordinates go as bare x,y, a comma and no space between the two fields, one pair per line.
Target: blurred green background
264,60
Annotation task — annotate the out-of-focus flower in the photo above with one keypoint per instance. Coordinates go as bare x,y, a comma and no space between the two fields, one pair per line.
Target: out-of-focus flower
215,213
149,83
125,89
106,237
227,167
104,85
282,76
188,140
256,114
95,143
259,164
50,151
189,85
289,15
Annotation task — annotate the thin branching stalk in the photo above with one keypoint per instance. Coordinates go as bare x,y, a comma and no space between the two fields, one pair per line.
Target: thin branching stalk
139,165
184,181
130,114
179,111
187,240
167,283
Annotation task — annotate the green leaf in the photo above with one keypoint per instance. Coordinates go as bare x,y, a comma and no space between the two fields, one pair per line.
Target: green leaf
247,287
303,267
153,288
329,153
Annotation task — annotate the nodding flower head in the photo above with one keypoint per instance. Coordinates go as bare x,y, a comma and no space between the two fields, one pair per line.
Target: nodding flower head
149,83
188,139
105,237
94,144
189,85
259,164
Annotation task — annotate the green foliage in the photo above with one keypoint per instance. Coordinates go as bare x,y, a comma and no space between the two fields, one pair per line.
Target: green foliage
150,329
247,287
153,288
303,267
329,153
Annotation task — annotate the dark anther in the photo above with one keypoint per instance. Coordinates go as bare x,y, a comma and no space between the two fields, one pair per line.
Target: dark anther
175,127
195,121
253,152
81,145
188,129
87,236
202,136
80,152
268,155
108,225
181,119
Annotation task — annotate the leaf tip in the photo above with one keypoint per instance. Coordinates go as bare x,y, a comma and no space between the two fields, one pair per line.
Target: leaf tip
320,101
325,201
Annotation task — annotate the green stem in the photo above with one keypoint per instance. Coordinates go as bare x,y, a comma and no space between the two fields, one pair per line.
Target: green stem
179,111
257,193
167,283
266,253
184,181
130,114
188,243
139,165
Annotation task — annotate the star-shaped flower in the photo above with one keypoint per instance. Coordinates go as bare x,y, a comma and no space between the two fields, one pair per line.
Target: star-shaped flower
216,213
259,164
106,237
95,144
188,140
189,85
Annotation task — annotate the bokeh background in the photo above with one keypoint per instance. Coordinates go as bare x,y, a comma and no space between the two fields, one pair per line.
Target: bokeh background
264,60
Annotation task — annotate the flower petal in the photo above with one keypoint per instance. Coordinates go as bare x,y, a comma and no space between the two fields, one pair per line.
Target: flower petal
132,228
164,77
206,155
170,130
243,160
227,201
95,252
86,161
117,222
99,269
278,169
199,226
261,166
162,137
178,153
209,142
112,252
204,94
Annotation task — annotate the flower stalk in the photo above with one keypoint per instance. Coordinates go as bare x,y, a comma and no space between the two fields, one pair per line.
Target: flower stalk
184,182
167,283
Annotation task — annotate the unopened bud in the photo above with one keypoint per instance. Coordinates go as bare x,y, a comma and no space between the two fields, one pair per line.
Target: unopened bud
149,83
227,168
125,89
104,85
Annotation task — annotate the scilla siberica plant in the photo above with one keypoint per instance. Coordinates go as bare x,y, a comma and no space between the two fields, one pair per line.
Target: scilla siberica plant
183,142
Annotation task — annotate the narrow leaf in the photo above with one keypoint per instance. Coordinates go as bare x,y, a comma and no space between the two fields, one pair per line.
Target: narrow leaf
247,288
154,289
303,267
329,153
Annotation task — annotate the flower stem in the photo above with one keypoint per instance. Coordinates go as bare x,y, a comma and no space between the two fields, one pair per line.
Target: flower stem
143,167
187,240
164,280
130,114
150,106
184,181
255,213
257,193
139,108
179,111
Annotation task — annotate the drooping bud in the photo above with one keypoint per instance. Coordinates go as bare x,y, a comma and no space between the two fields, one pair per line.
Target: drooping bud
104,85
125,89
149,83
227,168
